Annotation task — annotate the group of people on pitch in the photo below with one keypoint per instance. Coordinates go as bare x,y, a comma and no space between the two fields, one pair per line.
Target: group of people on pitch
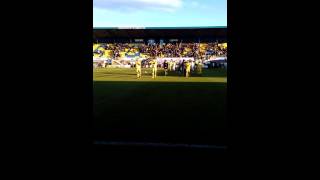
184,67
153,64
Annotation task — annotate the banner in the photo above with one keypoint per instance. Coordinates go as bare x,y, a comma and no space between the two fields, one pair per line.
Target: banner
218,59
177,60
130,58
99,59
118,66
132,55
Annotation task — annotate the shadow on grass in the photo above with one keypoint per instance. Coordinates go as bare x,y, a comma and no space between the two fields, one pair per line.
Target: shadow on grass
113,73
160,72
175,112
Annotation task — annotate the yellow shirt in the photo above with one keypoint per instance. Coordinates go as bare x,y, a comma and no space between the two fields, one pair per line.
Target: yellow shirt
188,65
154,64
138,65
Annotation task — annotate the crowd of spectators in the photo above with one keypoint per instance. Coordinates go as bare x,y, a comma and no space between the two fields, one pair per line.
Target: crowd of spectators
167,50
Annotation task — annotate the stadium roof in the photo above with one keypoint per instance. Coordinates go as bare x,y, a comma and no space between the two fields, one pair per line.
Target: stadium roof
160,32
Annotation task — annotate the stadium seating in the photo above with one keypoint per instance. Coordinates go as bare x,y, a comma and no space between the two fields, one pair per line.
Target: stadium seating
108,54
95,46
129,50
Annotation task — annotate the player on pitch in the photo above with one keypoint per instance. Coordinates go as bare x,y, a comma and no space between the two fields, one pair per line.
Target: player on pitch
138,68
165,67
154,68
188,67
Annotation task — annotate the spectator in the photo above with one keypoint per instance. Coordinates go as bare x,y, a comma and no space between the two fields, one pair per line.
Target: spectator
167,50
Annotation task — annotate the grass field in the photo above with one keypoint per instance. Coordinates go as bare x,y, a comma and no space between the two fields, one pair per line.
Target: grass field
171,109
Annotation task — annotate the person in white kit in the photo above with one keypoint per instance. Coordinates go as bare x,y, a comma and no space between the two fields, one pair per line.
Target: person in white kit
192,65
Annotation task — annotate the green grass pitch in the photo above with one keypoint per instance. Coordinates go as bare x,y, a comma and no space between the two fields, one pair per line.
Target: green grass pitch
169,108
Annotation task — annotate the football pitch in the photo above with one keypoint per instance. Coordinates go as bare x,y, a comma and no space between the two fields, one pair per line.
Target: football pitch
171,109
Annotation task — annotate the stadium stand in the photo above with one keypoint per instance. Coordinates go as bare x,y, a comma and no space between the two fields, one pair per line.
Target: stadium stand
197,50
121,46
